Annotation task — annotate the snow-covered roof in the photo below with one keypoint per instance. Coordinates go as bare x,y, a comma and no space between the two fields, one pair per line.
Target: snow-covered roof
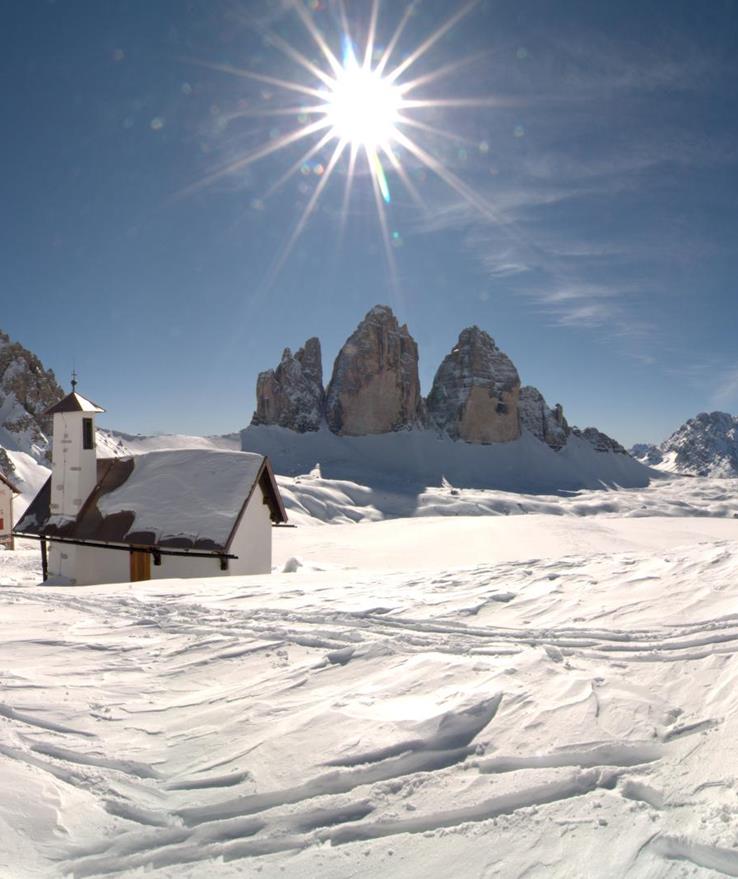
191,499
74,402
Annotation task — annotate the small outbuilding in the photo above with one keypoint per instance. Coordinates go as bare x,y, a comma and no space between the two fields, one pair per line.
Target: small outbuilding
178,513
7,493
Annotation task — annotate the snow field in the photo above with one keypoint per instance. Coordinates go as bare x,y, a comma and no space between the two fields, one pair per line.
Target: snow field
529,713
310,499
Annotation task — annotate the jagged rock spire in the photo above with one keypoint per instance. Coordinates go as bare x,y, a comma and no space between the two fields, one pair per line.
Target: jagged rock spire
292,394
475,392
375,386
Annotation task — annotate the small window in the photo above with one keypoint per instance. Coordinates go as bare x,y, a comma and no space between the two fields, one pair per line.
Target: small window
88,435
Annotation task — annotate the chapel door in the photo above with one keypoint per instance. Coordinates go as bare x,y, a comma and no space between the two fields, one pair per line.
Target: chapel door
140,565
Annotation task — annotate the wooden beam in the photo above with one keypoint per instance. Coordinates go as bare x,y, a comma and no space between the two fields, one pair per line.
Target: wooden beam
44,560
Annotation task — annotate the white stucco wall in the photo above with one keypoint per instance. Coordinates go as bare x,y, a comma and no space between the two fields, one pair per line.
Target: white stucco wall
96,565
62,560
6,512
73,469
181,566
252,544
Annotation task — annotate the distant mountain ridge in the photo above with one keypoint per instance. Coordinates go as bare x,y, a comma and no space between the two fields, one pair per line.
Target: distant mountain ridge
476,401
706,445
375,389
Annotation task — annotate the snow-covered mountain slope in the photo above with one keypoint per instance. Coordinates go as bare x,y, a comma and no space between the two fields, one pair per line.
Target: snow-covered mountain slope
423,457
115,444
706,445
28,476
552,705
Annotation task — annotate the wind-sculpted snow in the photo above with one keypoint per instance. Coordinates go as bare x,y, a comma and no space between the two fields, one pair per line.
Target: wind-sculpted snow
310,499
576,710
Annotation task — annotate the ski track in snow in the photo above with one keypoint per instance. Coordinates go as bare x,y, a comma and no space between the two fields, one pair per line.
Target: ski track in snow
521,718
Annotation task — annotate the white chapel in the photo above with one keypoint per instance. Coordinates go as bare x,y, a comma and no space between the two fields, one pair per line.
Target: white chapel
170,513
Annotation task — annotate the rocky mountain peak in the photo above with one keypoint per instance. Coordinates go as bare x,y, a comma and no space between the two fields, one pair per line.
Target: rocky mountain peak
27,390
375,386
475,391
706,445
292,394
375,389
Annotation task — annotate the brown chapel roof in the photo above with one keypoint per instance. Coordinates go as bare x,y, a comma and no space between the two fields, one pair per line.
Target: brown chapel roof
74,402
175,471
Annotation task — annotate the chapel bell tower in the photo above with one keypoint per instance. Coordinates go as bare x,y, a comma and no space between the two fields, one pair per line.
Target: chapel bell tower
73,454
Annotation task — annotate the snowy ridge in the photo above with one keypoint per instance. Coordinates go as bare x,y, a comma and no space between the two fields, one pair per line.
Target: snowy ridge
424,458
115,444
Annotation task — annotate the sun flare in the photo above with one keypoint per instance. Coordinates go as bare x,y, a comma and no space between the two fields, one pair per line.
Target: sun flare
362,107
359,109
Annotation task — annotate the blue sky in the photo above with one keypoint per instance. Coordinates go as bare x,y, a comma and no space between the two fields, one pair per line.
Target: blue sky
606,264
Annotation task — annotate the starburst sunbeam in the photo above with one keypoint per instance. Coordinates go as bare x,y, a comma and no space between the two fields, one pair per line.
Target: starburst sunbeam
363,107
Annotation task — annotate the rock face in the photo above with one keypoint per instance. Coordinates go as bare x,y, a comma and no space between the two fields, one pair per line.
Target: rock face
292,394
26,391
600,441
375,386
706,445
547,425
475,392
374,389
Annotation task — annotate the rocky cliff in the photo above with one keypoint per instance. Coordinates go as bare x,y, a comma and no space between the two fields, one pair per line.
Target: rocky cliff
475,392
292,394
375,386
599,441
26,391
706,445
547,425
374,389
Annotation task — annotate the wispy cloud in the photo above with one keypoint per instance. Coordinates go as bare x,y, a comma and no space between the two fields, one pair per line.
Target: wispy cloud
725,394
588,218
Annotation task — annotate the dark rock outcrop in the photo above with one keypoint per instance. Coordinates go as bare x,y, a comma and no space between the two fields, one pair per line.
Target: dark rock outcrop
546,424
475,392
375,386
600,441
292,394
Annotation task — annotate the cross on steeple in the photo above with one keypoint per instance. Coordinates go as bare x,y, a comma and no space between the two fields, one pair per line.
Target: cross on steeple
74,380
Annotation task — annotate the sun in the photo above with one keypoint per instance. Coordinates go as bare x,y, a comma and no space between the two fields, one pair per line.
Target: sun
362,107
359,108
